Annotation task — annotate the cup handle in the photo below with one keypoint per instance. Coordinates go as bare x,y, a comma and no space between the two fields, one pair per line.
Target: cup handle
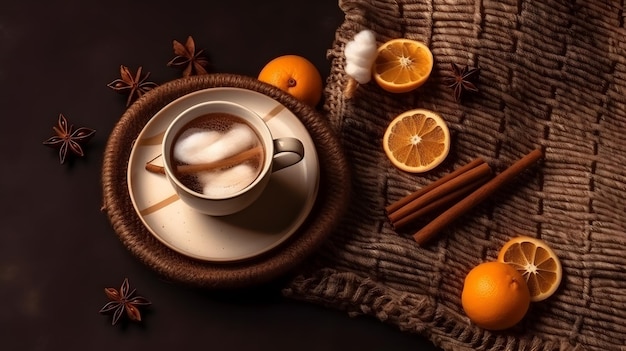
287,152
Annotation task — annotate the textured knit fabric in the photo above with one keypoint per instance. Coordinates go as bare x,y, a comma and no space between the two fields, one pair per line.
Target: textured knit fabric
553,76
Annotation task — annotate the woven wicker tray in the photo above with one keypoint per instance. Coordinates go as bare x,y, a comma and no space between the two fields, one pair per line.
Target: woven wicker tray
331,200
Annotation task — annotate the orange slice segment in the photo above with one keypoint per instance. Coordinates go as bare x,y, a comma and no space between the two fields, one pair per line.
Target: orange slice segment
402,65
417,140
537,263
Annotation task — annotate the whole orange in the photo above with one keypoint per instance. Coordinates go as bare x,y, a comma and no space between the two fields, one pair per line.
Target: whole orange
296,75
495,295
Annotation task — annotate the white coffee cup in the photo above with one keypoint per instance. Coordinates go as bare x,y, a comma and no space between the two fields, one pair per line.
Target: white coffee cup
276,154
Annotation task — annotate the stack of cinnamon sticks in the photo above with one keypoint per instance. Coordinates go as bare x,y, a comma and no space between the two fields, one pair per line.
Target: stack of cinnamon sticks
453,195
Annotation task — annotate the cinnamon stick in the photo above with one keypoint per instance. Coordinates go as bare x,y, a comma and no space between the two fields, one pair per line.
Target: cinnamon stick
476,197
440,203
453,184
405,200
223,163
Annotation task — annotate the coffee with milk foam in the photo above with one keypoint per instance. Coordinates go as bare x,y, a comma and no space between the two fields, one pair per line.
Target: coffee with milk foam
214,137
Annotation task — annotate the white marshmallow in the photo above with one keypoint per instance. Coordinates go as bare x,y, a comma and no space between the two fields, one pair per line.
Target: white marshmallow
238,139
202,146
191,142
222,183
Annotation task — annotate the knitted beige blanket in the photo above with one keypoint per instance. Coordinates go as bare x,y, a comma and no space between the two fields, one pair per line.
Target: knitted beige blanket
553,76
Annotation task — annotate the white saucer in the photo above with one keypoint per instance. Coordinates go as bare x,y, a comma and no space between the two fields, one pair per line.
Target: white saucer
281,210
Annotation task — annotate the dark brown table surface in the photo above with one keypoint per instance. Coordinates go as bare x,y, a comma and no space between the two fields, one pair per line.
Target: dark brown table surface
58,250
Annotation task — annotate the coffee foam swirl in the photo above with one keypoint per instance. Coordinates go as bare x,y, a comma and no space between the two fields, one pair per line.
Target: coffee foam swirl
226,138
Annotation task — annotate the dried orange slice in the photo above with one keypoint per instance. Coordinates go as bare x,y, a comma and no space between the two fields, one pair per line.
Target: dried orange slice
402,65
537,262
417,140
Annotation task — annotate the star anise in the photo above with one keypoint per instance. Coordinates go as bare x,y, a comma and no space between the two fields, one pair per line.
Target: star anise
187,57
135,86
68,139
122,300
462,80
